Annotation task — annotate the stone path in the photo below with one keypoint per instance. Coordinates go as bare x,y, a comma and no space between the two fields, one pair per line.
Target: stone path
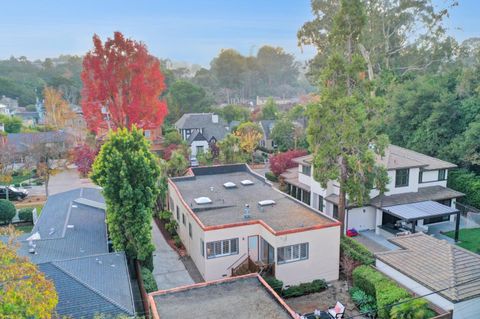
168,269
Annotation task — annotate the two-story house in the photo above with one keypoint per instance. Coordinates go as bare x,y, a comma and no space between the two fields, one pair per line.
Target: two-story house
201,130
229,217
417,193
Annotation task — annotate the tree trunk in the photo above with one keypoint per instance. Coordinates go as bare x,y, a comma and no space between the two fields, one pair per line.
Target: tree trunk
47,178
342,199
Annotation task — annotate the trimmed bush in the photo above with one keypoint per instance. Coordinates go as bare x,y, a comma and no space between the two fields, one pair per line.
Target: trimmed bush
385,291
177,241
148,280
417,308
276,284
171,227
165,215
358,252
271,177
26,214
304,288
7,211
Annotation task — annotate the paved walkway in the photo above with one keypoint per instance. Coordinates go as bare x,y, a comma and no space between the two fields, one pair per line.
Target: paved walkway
168,269
375,243
63,181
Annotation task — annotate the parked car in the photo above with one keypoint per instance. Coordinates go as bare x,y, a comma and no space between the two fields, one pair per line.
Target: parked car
193,161
13,193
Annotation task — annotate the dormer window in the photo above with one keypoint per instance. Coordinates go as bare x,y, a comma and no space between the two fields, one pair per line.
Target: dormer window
306,170
401,177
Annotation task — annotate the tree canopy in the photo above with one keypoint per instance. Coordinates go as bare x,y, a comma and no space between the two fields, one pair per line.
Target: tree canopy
128,173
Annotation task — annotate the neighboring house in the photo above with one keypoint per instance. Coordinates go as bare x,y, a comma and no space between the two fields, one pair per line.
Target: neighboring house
267,127
4,110
201,130
28,118
243,297
447,275
11,104
22,143
417,193
69,244
229,217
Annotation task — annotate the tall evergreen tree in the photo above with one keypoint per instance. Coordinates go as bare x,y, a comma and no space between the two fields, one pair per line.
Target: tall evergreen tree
128,173
343,125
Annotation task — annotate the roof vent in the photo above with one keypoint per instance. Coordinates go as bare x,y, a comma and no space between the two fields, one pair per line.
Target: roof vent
202,200
246,182
70,226
246,212
267,202
229,185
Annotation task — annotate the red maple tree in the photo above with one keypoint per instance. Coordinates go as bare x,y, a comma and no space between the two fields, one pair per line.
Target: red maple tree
121,78
280,162
84,156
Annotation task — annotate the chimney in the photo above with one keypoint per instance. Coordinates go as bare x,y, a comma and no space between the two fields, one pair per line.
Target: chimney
214,118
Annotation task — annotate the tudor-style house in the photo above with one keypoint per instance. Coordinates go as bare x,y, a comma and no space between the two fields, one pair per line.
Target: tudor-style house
417,194
201,130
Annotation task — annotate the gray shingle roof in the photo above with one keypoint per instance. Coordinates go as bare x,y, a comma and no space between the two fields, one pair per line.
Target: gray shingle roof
87,277
436,264
267,127
204,121
424,194
21,141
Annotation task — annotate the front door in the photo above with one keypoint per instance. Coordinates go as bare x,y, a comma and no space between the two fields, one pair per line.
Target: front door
253,248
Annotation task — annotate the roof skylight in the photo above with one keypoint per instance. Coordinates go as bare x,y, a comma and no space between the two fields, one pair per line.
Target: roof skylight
246,182
229,185
202,200
267,202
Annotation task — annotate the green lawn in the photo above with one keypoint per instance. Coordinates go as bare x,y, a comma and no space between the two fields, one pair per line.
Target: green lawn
20,178
468,239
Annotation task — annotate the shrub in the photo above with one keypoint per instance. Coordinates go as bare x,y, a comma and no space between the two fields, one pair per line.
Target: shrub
305,288
466,182
7,211
358,252
417,308
385,291
276,284
271,177
364,302
26,214
165,215
148,280
177,241
280,162
171,227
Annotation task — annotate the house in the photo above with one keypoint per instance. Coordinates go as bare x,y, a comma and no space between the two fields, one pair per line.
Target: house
417,193
201,130
243,297
69,243
229,218
21,144
447,275
4,110
267,127
11,104
28,118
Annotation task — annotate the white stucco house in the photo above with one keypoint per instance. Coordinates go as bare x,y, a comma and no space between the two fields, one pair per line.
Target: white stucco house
417,194
201,130
447,275
229,216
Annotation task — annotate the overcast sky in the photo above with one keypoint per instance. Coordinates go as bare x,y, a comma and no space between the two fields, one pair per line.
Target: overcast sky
182,30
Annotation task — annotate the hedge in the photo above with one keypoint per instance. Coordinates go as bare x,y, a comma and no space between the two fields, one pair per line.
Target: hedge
385,291
296,290
275,283
356,251
26,214
148,280
271,177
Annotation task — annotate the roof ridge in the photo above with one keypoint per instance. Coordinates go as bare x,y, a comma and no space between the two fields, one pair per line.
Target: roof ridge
421,154
90,287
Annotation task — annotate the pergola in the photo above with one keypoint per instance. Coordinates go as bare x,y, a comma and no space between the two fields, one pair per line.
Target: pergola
412,212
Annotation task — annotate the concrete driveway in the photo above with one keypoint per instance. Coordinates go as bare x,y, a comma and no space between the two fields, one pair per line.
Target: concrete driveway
168,269
63,181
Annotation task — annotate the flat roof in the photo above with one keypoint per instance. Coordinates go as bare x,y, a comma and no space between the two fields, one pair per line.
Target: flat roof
228,204
437,265
244,297
420,210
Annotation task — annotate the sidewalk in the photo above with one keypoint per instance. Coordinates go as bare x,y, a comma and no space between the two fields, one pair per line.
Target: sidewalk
168,269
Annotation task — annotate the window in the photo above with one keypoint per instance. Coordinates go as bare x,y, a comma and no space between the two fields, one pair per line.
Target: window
178,214
441,174
446,202
202,247
199,149
292,253
170,203
147,133
190,230
183,220
306,170
188,132
306,197
320,203
222,248
401,177
433,220
420,177
335,211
